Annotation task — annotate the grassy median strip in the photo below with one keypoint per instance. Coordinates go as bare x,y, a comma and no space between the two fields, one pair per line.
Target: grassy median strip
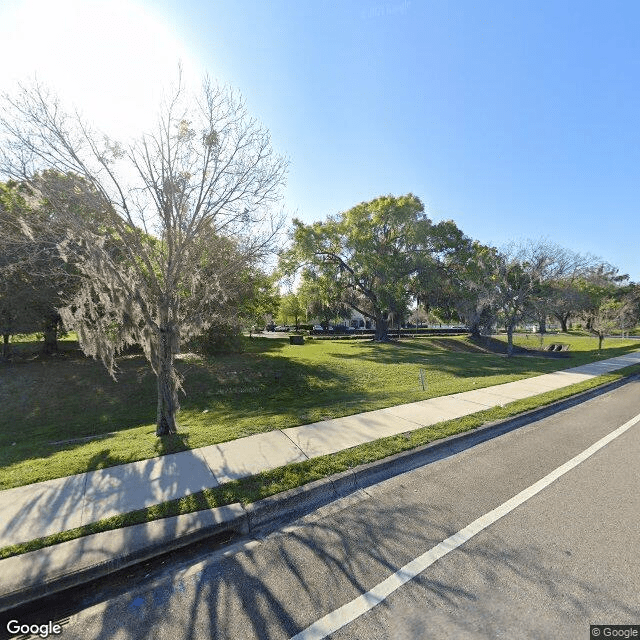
267,483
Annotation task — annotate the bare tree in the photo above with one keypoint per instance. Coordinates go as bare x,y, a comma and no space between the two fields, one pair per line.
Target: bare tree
606,319
174,215
528,279
516,286
561,271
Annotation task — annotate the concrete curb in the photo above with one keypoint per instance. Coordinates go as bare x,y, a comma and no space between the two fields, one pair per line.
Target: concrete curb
291,504
37,574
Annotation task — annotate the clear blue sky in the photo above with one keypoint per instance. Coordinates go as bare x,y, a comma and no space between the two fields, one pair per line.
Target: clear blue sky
515,119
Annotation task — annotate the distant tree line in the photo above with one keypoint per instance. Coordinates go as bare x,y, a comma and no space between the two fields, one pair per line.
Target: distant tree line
382,258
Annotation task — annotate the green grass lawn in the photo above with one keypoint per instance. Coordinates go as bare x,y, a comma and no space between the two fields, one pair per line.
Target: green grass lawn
48,402
581,341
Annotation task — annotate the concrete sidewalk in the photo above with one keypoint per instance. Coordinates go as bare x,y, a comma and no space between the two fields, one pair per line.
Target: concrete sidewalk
49,507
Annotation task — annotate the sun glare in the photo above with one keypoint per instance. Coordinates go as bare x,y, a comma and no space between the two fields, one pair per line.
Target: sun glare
109,58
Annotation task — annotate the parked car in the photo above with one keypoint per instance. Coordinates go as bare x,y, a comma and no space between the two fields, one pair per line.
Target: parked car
318,327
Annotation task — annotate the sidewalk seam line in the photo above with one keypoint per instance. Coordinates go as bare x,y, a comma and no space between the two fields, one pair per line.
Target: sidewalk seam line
84,496
213,475
295,444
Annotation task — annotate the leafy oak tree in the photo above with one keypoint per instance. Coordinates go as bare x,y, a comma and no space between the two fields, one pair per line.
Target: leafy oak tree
291,309
33,277
321,298
180,207
596,286
371,252
474,288
262,301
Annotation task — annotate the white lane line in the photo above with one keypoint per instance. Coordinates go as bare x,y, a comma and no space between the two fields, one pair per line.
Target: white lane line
354,609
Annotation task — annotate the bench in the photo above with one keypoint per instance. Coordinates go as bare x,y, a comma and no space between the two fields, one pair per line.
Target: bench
558,347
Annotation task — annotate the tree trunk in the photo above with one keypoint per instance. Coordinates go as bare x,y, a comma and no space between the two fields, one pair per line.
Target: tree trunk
543,326
5,345
473,322
600,339
51,335
168,383
509,340
382,329
563,318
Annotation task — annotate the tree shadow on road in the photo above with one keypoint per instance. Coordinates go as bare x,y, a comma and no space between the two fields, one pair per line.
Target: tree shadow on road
278,585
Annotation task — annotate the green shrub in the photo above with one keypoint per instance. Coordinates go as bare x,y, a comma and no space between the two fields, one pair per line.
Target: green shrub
220,337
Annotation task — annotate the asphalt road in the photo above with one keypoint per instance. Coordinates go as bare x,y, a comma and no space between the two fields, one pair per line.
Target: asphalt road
564,558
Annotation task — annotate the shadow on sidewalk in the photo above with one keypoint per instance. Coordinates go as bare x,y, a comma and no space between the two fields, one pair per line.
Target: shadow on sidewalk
35,511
